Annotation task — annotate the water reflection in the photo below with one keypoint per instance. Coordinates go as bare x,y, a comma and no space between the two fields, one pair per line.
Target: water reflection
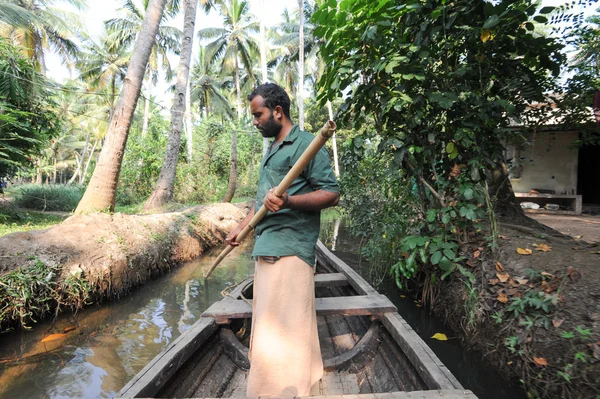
112,342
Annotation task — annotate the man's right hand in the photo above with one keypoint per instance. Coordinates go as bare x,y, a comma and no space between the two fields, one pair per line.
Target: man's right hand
231,237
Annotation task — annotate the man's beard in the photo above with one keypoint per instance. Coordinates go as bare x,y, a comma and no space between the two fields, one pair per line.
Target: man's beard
271,128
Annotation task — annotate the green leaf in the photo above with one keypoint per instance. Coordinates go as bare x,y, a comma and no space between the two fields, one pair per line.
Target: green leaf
435,258
547,10
540,19
450,148
491,22
468,193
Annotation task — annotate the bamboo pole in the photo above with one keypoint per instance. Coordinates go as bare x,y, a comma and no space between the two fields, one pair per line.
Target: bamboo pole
326,132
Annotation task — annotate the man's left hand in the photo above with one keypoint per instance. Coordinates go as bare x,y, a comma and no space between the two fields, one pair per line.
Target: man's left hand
274,203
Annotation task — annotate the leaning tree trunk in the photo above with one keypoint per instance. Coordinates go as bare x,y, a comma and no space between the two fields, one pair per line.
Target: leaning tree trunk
263,65
189,127
163,191
146,121
232,169
502,195
300,97
101,192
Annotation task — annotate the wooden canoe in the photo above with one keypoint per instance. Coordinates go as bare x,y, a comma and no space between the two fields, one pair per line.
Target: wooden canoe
369,351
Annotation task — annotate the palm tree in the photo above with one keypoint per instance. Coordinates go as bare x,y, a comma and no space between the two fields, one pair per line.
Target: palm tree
126,29
38,26
233,44
163,190
104,65
101,191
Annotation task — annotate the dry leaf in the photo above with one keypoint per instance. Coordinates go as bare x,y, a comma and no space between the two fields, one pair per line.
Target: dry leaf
503,277
70,328
595,252
486,35
557,322
499,267
503,237
476,254
493,281
521,281
540,361
502,298
543,247
509,363
546,274
596,350
455,171
525,251
53,337
574,274
402,296
440,337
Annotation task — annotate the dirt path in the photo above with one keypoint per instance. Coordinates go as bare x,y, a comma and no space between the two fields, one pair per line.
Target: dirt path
585,227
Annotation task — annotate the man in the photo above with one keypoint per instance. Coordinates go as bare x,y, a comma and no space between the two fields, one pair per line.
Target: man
285,356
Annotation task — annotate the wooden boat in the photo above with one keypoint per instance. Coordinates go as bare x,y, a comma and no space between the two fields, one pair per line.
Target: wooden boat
368,349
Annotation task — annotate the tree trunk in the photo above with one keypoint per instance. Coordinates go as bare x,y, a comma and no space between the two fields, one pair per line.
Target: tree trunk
147,109
163,191
300,97
101,192
80,163
54,169
263,64
188,123
237,88
83,173
232,169
336,166
502,195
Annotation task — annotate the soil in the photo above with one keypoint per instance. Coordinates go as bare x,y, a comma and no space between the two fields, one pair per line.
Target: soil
556,353
117,252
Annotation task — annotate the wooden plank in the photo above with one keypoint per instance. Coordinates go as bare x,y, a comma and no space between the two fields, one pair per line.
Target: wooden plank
361,286
330,280
237,352
147,382
434,394
363,305
358,355
429,366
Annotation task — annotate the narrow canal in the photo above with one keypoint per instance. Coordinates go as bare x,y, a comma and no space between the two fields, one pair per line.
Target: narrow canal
108,344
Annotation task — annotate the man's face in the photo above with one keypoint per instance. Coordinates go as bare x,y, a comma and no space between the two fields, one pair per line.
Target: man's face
267,121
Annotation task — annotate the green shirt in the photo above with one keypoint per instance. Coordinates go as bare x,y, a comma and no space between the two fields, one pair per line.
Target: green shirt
289,231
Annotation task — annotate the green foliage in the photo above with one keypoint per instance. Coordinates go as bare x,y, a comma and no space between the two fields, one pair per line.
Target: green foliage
26,118
48,197
439,82
12,221
29,293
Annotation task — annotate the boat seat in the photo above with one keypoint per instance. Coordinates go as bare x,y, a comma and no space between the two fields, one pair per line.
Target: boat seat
330,280
361,305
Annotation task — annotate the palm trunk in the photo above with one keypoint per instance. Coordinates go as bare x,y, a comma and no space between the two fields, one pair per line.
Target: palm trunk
163,191
87,164
188,123
80,163
237,89
300,97
336,166
101,192
147,109
263,65
232,169
54,169
77,171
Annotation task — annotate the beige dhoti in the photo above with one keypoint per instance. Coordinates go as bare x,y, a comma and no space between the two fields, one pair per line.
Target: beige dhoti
285,356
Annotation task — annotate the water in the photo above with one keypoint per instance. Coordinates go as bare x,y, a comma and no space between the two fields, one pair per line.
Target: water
470,368
112,342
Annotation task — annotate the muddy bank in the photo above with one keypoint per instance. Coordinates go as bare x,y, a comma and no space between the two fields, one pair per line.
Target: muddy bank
106,255
533,310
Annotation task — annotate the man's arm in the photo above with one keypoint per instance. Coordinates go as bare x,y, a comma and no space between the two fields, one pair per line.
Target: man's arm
314,201
231,237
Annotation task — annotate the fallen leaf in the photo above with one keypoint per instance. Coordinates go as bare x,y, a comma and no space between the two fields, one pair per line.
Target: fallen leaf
53,337
540,361
502,298
525,251
476,254
522,281
402,296
574,274
595,252
509,363
417,305
546,274
70,328
440,337
543,247
512,291
493,281
499,267
503,237
547,288
557,322
596,350
578,237
503,277
471,263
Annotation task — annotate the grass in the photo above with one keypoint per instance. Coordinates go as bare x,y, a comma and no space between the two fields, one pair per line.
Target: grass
47,197
12,221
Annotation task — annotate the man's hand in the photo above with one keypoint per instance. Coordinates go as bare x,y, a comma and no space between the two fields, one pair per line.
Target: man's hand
274,203
231,237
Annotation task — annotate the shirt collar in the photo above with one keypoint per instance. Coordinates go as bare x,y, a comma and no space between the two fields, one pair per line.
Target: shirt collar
292,135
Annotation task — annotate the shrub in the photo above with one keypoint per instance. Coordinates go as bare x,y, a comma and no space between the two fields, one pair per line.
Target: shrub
48,197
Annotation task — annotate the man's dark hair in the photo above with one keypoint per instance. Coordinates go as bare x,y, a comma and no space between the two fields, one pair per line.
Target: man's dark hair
273,95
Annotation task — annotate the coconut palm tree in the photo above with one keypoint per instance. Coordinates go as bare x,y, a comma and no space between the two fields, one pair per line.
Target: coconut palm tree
126,29
163,190
101,191
233,44
39,26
